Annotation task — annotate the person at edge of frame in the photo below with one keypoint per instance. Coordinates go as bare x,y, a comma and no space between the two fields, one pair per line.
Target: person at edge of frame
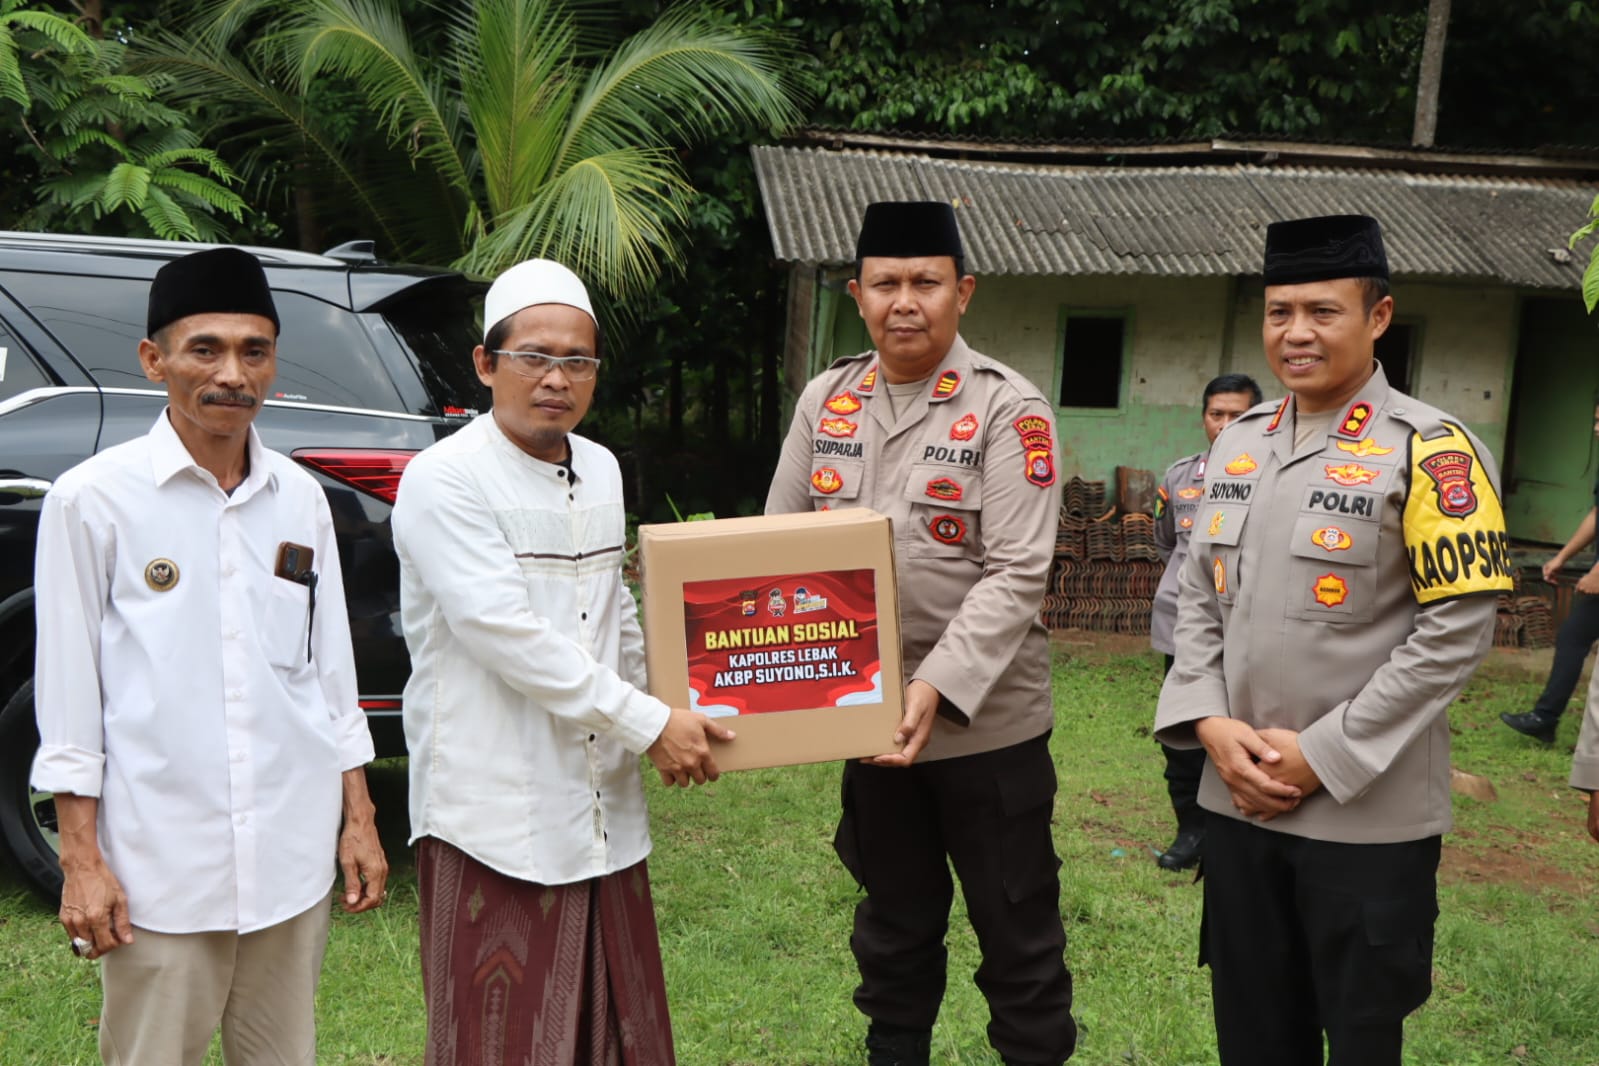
1577,633
197,703
1176,502
1339,592
958,450
527,710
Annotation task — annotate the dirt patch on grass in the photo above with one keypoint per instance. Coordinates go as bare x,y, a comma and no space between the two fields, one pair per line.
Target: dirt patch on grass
1469,859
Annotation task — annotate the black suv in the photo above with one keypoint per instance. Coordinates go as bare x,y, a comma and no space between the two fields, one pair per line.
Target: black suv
373,366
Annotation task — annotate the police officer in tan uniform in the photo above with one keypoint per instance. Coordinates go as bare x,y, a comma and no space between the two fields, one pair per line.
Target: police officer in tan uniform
958,450
1176,503
1339,592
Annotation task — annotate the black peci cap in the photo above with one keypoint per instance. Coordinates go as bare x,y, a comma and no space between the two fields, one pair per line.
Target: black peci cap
908,229
1318,249
218,280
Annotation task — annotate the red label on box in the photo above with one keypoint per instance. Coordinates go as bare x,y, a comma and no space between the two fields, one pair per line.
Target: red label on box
785,643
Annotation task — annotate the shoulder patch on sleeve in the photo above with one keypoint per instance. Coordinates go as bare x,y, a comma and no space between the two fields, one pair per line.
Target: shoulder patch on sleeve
1454,524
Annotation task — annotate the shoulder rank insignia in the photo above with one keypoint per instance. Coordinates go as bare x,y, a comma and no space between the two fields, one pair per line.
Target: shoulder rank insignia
838,427
1330,590
965,429
1331,538
869,382
1277,419
1451,478
845,403
1350,474
1362,448
827,480
161,575
1244,464
946,385
948,529
1354,421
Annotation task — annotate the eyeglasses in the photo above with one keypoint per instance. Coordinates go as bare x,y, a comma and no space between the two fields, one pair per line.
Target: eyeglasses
536,364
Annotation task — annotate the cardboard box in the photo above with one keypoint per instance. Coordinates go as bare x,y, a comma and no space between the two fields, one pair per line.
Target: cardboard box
789,622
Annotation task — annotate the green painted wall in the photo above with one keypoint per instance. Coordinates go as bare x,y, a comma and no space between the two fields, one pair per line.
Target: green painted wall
1549,472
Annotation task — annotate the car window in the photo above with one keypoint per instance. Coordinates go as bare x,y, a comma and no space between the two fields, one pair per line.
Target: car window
440,333
324,353
18,371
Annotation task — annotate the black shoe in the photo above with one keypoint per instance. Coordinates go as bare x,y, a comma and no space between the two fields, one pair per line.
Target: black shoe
1532,725
1185,851
888,1045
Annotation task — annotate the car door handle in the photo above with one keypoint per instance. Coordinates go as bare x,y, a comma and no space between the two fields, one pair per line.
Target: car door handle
25,488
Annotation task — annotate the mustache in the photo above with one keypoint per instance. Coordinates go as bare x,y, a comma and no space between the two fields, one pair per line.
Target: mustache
228,396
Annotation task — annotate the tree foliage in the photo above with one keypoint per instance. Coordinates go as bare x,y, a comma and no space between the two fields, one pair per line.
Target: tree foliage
98,149
520,127
1142,69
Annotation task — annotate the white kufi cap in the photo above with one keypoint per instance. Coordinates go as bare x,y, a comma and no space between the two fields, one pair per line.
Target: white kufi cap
536,281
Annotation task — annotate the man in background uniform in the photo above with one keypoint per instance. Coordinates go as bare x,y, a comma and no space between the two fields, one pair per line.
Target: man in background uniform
959,451
1576,637
1339,592
1176,504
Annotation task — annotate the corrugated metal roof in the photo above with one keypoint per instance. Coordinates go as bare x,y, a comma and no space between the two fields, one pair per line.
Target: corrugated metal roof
1019,218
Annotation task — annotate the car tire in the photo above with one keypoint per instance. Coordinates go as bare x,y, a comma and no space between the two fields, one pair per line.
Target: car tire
27,818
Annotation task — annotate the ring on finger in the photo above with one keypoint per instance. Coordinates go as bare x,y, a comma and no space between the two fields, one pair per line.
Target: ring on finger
82,947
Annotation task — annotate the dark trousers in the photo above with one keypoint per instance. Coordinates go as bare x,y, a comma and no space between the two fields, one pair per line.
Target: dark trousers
1308,936
989,815
1572,643
1183,768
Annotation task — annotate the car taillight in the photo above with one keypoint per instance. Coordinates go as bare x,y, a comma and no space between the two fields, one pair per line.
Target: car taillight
374,471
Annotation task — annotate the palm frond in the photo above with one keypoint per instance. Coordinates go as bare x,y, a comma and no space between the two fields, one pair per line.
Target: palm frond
200,71
680,79
366,42
612,218
513,59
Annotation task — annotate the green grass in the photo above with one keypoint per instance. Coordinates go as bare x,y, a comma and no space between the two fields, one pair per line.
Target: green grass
755,911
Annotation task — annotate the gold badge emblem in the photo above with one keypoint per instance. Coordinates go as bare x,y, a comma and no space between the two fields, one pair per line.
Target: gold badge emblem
1216,521
1331,538
1242,465
1365,447
161,575
1221,576
1330,590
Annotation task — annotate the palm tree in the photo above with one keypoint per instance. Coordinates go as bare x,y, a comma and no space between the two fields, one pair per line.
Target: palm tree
511,133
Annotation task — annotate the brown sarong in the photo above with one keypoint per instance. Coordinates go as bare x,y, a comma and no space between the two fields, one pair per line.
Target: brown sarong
523,974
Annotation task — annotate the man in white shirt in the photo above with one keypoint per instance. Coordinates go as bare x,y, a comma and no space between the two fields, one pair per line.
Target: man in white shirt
196,700
525,712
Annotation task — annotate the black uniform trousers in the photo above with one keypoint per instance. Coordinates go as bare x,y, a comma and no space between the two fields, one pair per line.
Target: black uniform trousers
990,815
1572,644
1309,936
1184,766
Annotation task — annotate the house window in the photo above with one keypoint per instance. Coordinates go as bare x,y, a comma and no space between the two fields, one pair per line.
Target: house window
1093,349
1396,351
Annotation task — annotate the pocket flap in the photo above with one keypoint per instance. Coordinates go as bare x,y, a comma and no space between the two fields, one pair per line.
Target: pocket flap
1345,543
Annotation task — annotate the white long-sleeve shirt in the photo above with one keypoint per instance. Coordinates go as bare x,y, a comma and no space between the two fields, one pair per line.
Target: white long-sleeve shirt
184,699
525,714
